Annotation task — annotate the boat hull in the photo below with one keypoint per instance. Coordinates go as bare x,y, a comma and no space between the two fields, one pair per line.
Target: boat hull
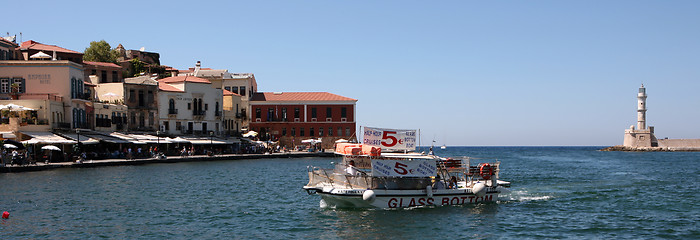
402,198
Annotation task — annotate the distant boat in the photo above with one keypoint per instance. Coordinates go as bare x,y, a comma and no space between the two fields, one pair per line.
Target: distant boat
443,146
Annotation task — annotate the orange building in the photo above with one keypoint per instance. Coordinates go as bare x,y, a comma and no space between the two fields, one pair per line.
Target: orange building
291,117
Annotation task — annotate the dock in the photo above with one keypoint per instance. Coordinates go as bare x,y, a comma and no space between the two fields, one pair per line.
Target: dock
170,159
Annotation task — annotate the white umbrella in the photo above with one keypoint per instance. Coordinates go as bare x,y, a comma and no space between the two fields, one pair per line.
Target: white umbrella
341,141
40,55
110,94
50,147
15,108
250,133
7,145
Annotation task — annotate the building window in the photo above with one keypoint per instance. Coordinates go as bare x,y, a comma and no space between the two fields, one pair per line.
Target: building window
94,72
347,132
313,112
258,112
142,120
115,77
311,132
301,132
189,106
206,106
343,112
284,131
228,88
178,126
131,95
270,113
296,112
330,131
284,114
141,99
167,125
104,77
5,85
234,90
150,96
171,104
320,132
294,132
340,132
151,119
242,91
329,113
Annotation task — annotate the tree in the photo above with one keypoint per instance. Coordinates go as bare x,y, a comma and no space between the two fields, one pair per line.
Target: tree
100,52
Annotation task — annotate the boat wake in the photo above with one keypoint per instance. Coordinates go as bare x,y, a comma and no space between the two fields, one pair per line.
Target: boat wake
522,196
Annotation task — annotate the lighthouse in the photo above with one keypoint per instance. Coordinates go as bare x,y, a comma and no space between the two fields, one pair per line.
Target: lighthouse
642,108
642,136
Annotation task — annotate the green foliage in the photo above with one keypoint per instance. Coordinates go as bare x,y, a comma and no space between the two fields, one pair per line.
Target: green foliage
137,67
100,52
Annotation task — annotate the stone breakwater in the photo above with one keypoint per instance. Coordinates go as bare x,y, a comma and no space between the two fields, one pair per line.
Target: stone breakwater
170,159
650,149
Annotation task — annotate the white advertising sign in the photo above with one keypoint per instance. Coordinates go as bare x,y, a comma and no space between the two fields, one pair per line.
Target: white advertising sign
404,168
390,139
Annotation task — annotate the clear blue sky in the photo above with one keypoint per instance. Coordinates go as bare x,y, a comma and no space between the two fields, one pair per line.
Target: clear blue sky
464,72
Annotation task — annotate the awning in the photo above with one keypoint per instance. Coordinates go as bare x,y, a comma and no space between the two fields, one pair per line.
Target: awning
105,138
46,138
126,137
145,138
83,139
7,135
202,141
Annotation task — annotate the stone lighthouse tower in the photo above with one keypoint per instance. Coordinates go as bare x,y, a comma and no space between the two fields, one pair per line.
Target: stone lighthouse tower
642,108
642,137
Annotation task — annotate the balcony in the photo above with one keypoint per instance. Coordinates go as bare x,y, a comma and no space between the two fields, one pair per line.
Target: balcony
199,113
172,111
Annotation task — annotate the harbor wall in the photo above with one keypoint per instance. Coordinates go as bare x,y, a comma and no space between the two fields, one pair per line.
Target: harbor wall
681,144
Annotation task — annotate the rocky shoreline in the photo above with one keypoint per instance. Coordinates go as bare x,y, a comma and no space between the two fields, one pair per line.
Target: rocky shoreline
621,148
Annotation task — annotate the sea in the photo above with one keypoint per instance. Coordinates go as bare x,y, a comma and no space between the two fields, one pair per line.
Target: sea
557,192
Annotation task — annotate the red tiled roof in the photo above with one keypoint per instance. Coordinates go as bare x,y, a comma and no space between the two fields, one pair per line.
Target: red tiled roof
43,47
299,96
168,88
104,64
184,79
229,93
8,42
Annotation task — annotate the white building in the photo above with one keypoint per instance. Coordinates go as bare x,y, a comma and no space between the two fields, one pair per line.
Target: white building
189,105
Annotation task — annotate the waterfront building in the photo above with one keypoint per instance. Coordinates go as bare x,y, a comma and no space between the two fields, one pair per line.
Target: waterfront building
139,94
8,49
190,106
55,90
241,84
105,72
291,117
233,117
32,50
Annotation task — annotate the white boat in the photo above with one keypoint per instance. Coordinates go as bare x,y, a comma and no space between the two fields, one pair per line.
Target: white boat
443,147
370,178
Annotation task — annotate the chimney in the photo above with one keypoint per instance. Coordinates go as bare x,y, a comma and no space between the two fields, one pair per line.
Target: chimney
197,67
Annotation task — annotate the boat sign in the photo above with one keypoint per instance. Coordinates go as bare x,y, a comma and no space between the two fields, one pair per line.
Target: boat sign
390,139
404,168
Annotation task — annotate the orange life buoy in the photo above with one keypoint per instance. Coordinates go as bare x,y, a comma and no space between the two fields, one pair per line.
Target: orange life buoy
486,171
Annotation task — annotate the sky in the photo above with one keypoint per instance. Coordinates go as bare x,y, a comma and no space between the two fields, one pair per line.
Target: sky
466,73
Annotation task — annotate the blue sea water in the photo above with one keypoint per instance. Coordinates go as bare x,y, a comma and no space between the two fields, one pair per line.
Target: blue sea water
557,192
